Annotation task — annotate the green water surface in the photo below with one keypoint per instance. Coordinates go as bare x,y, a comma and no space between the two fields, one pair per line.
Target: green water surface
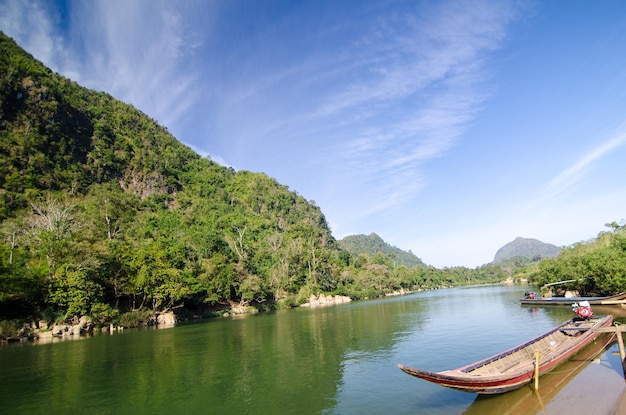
333,360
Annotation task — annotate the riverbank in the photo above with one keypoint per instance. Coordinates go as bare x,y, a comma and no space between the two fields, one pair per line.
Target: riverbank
44,332
323,300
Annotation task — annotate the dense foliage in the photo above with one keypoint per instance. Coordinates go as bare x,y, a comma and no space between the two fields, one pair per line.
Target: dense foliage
372,244
596,267
103,212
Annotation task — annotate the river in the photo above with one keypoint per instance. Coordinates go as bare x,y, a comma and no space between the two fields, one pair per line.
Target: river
333,360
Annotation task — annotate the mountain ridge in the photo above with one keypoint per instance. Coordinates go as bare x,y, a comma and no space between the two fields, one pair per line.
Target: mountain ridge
529,248
373,244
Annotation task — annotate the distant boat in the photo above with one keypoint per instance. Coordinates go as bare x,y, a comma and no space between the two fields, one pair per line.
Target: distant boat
530,299
515,367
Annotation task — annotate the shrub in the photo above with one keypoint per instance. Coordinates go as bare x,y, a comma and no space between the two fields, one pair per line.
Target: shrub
135,318
102,314
8,328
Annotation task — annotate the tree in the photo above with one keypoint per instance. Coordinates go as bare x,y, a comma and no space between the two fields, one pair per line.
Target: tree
109,210
52,227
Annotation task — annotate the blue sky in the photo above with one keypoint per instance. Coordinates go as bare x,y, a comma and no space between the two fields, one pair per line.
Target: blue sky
449,128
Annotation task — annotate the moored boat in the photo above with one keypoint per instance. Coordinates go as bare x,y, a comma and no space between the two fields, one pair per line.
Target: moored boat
531,299
525,400
515,367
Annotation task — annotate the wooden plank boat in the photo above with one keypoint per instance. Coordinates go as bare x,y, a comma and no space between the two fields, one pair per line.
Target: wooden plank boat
515,367
524,401
612,300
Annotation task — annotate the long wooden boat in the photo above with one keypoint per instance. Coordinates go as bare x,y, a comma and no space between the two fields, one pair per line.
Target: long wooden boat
524,401
612,300
515,367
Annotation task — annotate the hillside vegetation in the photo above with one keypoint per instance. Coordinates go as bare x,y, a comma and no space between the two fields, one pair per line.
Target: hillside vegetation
101,207
528,248
104,213
596,267
373,244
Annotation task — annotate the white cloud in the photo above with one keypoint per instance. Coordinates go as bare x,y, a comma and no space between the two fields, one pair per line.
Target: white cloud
31,24
136,51
575,172
421,80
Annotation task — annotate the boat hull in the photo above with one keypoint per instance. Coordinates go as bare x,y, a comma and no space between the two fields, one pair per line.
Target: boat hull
524,400
613,300
483,377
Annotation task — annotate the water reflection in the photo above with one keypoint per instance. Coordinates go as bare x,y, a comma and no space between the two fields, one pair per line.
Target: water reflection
525,400
334,360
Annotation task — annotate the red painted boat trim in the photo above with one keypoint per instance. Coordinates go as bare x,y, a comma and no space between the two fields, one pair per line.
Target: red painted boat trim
491,384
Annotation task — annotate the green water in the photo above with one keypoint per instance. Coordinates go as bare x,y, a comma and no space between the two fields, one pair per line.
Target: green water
334,360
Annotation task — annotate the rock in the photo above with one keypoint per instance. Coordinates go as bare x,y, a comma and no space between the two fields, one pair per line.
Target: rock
326,300
239,311
401,291
61,330
45,335
166,319
84,326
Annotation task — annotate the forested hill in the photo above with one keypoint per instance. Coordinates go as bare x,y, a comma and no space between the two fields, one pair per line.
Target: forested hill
102,209
104,214
57,135
528,248
373,244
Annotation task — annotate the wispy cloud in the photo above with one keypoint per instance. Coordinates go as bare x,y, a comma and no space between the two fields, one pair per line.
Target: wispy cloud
137,51
421,80
576,172
134,50
382,95
31,24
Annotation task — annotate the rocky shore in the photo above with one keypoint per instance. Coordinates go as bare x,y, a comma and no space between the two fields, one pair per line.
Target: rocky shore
322,300
45,333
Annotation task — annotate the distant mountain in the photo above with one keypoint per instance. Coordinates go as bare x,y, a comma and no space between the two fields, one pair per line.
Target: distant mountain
372,244
532,249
